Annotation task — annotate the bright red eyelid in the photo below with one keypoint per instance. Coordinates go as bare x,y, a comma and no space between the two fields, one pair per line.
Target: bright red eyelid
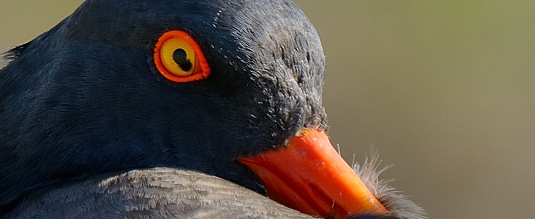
202,70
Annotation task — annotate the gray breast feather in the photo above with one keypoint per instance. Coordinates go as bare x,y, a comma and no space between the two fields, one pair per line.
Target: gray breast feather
152,193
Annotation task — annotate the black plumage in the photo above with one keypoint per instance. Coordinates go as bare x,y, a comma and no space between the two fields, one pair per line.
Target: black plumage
84,99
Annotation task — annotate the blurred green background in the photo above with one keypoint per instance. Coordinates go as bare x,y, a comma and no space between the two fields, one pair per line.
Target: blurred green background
444,90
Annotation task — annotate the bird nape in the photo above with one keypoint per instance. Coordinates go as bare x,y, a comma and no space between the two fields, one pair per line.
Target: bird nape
132,105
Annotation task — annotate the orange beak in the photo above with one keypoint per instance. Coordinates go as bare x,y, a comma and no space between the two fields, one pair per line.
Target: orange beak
310,176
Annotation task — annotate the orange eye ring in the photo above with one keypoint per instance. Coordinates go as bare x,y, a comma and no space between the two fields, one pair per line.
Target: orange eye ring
179,58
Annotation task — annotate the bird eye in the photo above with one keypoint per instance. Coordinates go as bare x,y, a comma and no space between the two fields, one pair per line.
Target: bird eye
179,58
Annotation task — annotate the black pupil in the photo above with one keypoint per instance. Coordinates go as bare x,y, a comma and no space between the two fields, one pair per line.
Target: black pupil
181,58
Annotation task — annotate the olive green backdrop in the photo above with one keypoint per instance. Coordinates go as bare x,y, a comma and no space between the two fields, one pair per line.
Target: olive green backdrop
444,90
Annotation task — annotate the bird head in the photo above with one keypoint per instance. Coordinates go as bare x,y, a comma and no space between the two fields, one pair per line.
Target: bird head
231,88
